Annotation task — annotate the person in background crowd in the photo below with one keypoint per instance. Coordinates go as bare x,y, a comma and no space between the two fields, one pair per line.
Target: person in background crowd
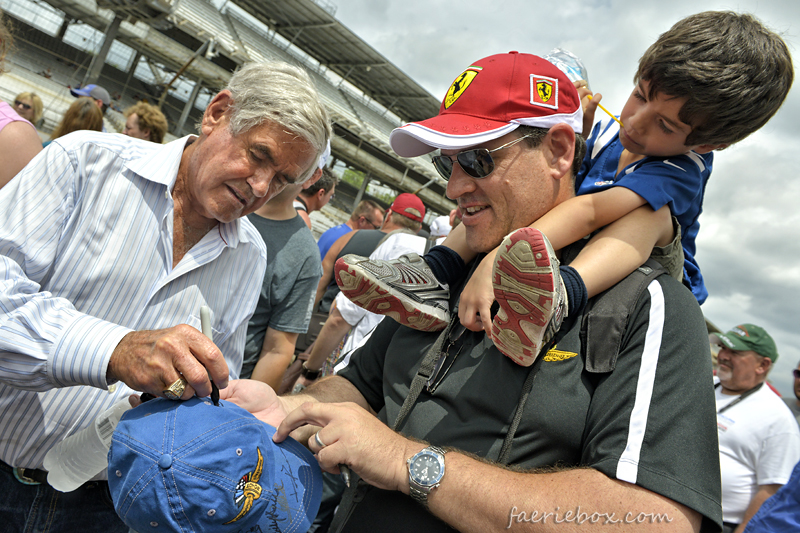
29,106
19,141
366,215
145,121
82,114
440,228
794,403
98,94
759,440
284,304
317,196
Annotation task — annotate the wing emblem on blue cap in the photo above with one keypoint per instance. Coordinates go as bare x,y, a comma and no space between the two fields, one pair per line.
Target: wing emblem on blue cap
248,490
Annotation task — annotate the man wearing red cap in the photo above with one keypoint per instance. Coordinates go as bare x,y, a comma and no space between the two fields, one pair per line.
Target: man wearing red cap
433,419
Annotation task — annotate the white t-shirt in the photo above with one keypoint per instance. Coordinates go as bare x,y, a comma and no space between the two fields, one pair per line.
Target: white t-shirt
363,321
759,444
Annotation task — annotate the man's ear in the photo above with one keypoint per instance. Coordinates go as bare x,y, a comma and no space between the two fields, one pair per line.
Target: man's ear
215,111
147,132
558,149
764,366
313,179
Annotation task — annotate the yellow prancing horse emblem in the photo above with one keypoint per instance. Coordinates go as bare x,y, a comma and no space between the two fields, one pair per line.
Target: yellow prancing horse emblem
544,89
460,85
248,490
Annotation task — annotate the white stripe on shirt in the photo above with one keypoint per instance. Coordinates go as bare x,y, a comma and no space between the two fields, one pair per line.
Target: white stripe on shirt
628,466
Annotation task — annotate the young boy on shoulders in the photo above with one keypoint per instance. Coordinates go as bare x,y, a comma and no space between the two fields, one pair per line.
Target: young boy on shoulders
708,82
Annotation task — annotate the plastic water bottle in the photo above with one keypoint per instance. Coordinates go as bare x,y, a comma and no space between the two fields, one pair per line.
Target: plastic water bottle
569,63
80,457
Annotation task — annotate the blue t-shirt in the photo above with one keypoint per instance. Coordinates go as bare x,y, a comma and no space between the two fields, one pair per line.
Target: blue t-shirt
779,513
678,181
330,236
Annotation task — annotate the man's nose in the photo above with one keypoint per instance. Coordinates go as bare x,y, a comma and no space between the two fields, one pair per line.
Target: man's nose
460,183
259,182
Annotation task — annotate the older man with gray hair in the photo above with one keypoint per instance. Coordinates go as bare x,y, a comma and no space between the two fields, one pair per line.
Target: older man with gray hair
109,246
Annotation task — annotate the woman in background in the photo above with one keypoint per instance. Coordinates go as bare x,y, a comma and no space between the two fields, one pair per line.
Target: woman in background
83,114
29,106
19,141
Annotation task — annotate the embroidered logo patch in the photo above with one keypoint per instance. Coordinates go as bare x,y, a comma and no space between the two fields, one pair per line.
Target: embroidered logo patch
557,355
460,85
248,490
741,331
544,91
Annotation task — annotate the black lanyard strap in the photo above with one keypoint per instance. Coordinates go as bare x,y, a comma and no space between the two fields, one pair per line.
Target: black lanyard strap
740,398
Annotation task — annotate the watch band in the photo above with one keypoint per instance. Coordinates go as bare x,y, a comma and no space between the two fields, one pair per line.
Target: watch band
418,492
310,375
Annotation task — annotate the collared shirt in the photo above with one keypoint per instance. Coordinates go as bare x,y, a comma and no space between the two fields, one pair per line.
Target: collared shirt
86,258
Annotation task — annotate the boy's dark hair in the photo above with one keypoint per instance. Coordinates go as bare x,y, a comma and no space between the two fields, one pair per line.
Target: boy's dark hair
326,183
734,72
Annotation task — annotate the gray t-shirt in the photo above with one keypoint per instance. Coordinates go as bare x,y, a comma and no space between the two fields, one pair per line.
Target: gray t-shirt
793,407
290,283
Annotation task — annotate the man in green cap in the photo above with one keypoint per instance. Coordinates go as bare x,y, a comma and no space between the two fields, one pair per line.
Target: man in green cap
759,441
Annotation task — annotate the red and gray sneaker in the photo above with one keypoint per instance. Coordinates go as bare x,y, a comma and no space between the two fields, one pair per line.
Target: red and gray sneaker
530,293
404,289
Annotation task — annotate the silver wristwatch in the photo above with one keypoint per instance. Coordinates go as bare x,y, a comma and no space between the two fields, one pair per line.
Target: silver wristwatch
425,472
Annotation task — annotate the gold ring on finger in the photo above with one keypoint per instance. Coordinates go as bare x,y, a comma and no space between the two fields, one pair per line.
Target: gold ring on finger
176,390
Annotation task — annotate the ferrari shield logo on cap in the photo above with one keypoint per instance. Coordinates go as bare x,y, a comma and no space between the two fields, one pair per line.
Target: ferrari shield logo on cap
544,91
460,85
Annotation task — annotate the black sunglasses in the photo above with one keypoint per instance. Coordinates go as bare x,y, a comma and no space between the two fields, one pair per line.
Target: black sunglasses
796,373
477,163
370,222
24,106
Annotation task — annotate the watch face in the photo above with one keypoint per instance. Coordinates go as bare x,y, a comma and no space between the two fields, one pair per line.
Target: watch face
427,469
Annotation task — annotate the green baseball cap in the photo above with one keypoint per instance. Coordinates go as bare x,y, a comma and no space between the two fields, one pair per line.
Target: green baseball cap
750,337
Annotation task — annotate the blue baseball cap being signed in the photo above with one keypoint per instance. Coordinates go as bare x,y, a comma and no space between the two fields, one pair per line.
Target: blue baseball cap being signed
194,466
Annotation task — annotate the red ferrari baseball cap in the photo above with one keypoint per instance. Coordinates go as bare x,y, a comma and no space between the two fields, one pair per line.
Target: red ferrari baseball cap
492,97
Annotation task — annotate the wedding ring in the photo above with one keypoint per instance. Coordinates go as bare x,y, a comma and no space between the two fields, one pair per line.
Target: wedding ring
175,391
318,440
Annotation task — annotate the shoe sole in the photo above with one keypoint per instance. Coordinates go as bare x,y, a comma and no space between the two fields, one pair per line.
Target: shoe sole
364,290
524,288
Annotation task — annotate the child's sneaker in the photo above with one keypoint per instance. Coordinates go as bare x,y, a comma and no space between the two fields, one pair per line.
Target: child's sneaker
531,295
403,288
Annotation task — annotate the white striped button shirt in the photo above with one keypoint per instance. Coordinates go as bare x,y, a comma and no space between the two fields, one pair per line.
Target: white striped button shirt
85,258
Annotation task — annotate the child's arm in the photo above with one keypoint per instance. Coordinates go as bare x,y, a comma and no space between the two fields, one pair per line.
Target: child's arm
623,246
566,223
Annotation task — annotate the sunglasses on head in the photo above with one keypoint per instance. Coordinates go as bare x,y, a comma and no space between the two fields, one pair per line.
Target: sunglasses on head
24,106
476,163
796,373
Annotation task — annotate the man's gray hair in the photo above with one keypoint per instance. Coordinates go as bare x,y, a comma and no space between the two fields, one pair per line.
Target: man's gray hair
283,94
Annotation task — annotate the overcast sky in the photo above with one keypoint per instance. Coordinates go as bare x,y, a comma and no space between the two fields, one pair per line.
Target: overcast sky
749,242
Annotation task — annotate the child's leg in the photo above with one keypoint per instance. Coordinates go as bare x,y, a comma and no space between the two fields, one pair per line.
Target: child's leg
537,296
412,290
622,247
